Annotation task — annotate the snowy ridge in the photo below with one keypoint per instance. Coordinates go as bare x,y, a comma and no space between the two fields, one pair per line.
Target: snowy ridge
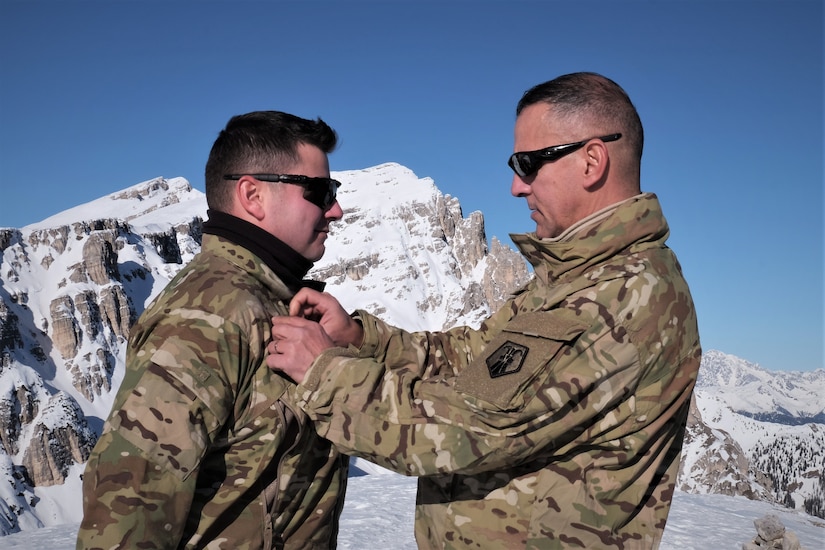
144,204
770,425
750,390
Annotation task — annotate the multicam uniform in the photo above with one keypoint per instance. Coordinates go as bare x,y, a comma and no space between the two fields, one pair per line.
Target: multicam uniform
198,434
559,422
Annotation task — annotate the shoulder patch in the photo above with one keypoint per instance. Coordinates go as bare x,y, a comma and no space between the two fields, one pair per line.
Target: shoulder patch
507,359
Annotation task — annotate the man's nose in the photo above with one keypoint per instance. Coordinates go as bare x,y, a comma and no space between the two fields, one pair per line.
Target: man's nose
518,188
335,212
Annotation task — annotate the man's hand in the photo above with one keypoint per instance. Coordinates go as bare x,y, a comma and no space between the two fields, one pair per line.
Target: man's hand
324,308
295,344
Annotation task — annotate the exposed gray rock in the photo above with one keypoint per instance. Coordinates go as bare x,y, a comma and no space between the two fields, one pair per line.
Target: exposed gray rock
100,258
769,527
66,331
116,311
8,236
506,272
9,328
17,409
771,533
60,439
723,468
54,237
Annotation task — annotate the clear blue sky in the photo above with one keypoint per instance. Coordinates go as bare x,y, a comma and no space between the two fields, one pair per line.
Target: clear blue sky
98,96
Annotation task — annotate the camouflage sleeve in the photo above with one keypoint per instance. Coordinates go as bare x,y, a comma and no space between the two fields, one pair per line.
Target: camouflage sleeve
175,398
540,381
436,352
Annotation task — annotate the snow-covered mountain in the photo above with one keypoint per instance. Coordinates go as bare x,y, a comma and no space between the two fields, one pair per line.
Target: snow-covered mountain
73,284
783,397
757,433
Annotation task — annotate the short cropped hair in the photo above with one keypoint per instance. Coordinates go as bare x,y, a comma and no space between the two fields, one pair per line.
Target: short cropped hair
593,100
260,142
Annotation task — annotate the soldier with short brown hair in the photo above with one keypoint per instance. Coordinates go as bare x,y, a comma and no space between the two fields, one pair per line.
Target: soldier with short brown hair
201,448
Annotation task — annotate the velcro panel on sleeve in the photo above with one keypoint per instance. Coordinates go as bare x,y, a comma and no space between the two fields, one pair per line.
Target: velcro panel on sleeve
517,355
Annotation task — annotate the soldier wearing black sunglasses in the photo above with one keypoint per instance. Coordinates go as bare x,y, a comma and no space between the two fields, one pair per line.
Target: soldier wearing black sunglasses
527,163
557,423
202,447
321,192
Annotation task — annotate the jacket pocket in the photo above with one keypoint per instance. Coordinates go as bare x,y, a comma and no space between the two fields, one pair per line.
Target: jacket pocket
502,374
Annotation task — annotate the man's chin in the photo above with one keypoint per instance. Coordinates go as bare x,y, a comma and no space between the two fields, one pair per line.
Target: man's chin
317,249
316,253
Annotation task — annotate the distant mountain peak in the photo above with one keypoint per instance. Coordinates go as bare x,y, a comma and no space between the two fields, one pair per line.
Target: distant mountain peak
128,204
785,397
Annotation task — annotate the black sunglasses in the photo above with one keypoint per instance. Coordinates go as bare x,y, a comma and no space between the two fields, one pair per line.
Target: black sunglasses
321,192
527,163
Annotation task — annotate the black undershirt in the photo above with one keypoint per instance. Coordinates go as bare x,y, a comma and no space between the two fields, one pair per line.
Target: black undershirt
287,264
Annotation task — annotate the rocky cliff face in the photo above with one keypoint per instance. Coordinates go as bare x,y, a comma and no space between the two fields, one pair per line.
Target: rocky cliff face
71,288
776,417
61,437
713,462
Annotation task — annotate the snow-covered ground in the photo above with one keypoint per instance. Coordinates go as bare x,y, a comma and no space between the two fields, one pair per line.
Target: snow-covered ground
378,515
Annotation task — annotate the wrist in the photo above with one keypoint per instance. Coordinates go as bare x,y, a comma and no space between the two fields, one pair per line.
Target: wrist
357,339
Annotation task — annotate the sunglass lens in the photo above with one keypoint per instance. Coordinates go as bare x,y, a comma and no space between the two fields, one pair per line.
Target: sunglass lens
320,194
521,164
312,195
332,192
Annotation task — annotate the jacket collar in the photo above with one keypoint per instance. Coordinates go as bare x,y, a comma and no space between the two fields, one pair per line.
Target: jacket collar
624,226
287,264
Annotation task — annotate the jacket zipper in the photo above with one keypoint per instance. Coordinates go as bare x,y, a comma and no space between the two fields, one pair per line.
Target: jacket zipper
289,420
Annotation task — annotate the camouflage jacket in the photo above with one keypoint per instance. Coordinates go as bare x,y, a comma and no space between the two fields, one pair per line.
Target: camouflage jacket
200,450
559,422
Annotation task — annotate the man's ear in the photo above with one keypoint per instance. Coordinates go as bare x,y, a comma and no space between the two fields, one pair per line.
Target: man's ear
597,161
249,196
